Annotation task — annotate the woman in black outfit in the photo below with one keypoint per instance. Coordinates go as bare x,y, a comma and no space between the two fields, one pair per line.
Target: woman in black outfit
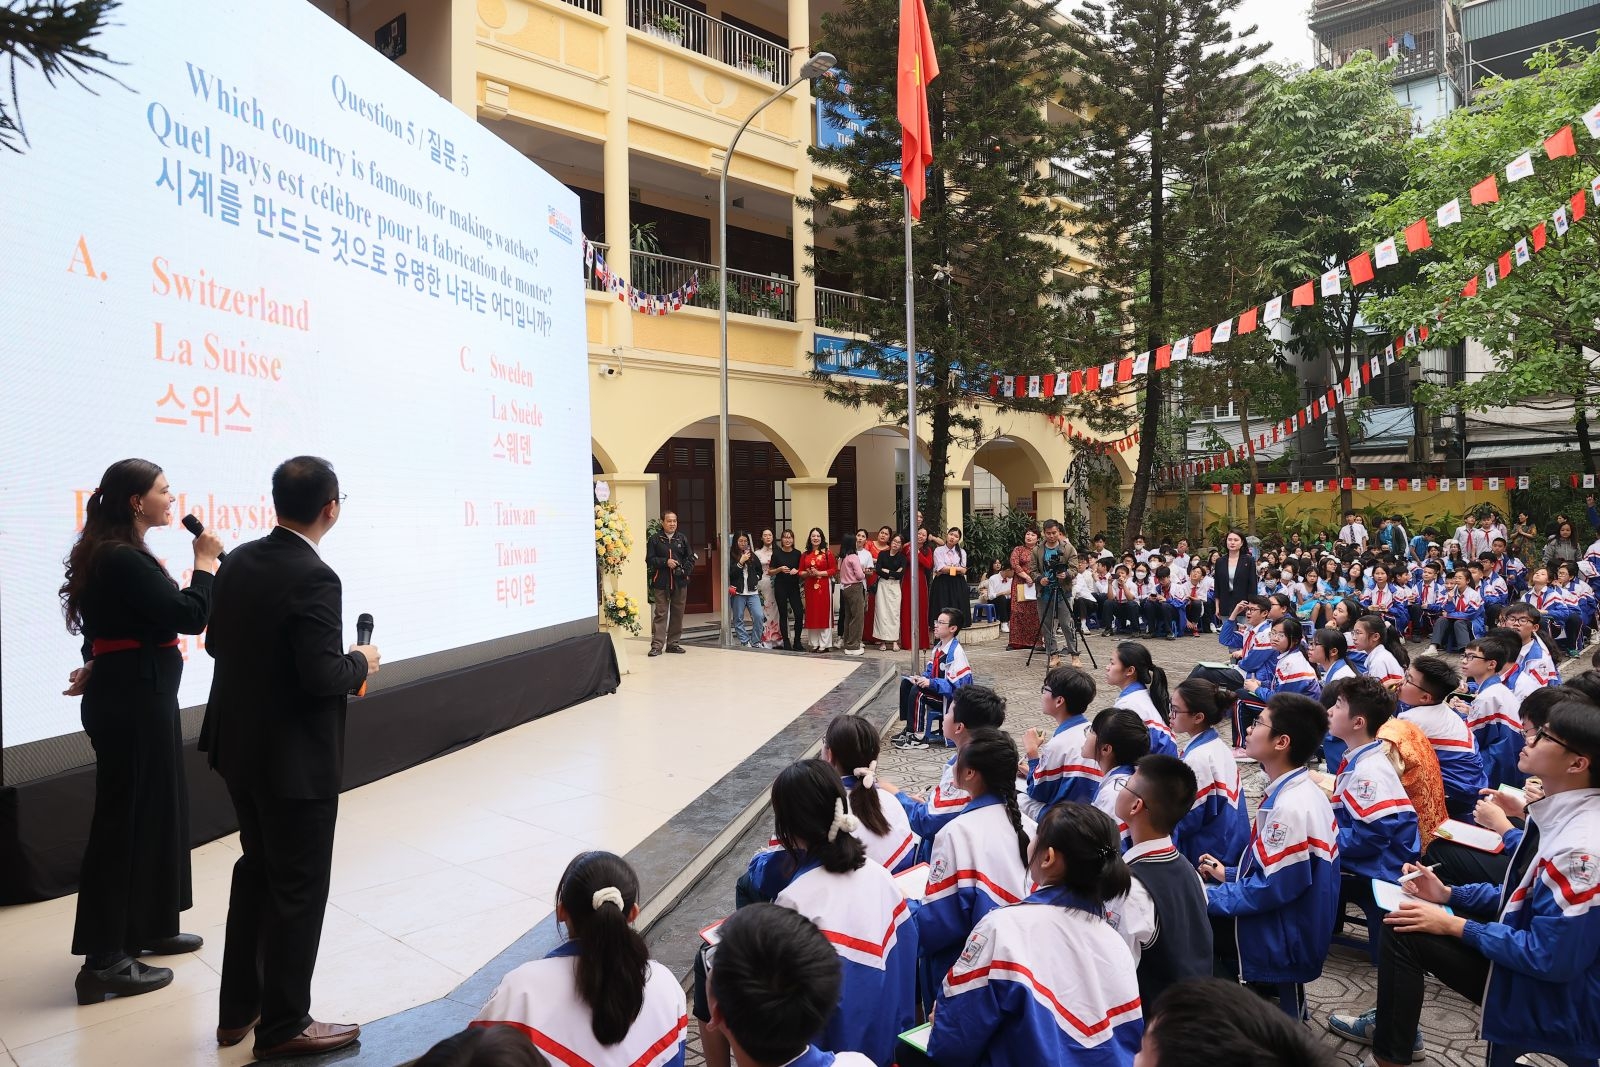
1235,575
785,572
135,877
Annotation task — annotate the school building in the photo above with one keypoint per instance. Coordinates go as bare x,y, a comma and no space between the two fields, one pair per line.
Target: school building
631,104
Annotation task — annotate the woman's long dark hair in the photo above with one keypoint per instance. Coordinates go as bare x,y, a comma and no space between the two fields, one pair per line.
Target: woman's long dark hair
992,755
854,746
614,963
805,800
1137,656
108,520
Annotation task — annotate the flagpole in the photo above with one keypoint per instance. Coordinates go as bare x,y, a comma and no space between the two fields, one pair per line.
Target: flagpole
911,439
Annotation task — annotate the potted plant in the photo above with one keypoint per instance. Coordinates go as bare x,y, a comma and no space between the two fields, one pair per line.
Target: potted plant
668,27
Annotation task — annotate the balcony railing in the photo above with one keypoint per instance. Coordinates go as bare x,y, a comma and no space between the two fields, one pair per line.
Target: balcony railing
765,295
712,38
839,310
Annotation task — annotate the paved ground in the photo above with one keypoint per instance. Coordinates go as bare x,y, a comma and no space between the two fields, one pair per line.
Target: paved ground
1348,982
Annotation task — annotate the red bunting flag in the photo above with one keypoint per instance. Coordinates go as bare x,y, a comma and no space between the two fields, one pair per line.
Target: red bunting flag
1202,341
1580,206
1417,236
1540,235
1486,191
1247,322
1361,269
1505,264
1163,357
1471,288
1302,297
1560,143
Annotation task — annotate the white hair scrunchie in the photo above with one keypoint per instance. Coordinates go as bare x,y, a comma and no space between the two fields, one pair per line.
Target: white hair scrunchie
842,820
610,894
868,775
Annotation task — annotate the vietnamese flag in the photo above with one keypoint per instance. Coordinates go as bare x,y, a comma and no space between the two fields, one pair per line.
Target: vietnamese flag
1486,191
1560,143
918,66
1417,236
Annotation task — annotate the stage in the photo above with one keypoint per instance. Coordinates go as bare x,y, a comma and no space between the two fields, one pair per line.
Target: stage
440,868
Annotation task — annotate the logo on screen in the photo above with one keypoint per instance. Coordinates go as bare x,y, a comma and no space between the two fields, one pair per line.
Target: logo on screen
561,225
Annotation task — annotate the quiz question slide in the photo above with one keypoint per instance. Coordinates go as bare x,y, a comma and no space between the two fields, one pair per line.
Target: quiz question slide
254,245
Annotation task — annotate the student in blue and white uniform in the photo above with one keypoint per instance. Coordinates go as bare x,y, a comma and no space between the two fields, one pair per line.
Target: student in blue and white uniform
1535,969
822,872
1283,897
1114,743
975,707
1217,823
1429,683
598,996
1057,768
1493,715
1048,980
980,858
1329,652
1142,688
852,746
764,1027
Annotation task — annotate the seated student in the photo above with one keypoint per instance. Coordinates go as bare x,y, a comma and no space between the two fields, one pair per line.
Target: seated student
1377,822
980,858
1089,604
1534,657
1536,969
925,699
1429,682
1163,917
822,872
1432,593
1248,646
1142,687
1385,657
1057,769
1123,597
1291,673
1284,895
1048,980
1492,714
1202,1022
1114,745
1201,610
487,1045
597,995
1217,821
1329,653
851,746
973,708
774,983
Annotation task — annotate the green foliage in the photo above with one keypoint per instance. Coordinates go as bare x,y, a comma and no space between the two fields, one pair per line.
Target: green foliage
991,537
51,36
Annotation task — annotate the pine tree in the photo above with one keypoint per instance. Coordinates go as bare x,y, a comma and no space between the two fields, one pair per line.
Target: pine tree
51,36
990,253
1162,87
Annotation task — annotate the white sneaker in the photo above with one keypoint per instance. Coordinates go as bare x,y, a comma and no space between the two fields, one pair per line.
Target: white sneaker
1005,628
1431,650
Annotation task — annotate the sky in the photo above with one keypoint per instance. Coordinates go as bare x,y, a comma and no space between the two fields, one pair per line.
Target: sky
1283,24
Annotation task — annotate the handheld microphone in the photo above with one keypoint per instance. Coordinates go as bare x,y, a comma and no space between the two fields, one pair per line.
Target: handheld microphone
363,637
196,527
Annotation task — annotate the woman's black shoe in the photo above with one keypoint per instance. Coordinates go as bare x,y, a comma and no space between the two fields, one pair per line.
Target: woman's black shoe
125,978
175,945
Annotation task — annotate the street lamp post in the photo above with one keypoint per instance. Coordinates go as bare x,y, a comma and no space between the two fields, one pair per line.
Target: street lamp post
816,66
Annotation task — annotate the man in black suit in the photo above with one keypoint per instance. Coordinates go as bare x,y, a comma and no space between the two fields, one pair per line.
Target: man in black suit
274,730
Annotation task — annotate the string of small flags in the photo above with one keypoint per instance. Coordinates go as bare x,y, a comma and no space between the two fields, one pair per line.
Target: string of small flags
1402,485
594,261
1332,284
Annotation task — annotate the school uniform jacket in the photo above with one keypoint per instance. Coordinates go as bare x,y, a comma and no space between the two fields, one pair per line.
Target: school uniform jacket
1459,762
1378,832
1045,981
1544,953
541,999
1381,664
1136,697
975,868
1284,895
1061,772
1495,719
866,918
1218,822
897,849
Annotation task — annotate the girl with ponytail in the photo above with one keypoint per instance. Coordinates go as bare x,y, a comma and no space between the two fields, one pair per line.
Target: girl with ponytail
821,871
598,994
979,861
1143,688
1058,941
852,747
1218,823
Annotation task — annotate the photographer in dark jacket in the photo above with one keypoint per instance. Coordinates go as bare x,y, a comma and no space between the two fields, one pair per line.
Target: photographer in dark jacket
668,561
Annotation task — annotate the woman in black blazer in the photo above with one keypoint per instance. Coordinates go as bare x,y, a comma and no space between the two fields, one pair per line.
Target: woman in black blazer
1235,576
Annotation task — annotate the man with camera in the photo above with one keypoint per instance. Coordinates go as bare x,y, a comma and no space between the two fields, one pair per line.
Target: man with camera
1054,560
